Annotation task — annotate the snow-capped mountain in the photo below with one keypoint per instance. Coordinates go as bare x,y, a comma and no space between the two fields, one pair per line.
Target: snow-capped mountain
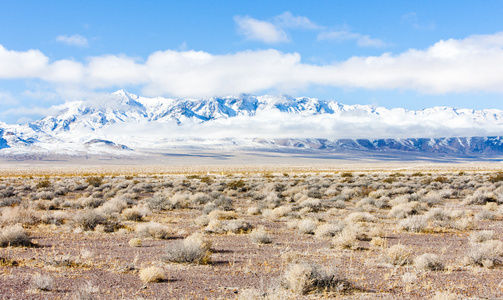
123,122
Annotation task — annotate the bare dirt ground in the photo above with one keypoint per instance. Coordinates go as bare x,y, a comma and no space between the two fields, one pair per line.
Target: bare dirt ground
80,228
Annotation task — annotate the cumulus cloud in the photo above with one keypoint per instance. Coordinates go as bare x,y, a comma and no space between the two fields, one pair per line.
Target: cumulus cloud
73,40
344,35
449,66
261,31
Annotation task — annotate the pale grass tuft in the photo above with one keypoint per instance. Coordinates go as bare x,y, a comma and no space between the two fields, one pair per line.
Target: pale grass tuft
304,278
397,255
348,238
154,230
194,249
328,230
42,282
260,236
152,274
485,254
14,236
307,226
134,242
428,261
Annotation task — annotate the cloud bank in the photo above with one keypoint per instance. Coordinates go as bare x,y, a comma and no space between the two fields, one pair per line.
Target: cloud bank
449,66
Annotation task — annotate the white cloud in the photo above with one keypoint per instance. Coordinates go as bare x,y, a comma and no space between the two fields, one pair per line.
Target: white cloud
33,111
449,66
395,123
273,32
261,31
24,64
287,20
344,35
73,40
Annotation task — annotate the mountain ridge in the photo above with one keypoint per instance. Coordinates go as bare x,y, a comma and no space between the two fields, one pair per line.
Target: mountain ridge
121,121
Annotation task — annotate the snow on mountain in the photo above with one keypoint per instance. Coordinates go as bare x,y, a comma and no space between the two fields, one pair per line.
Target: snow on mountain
122,121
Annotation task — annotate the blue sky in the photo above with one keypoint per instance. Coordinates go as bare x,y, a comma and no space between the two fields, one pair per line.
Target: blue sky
411,54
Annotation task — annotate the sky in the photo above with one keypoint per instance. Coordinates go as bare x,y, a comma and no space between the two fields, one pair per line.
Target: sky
410,54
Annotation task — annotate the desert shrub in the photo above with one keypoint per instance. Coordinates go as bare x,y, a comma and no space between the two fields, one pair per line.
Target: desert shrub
480,197
153,230
236,184
397,255
133,214
253,210
228,226
158,202
414,223
19,214
209,207
152,274
91,202
431,198
486,253
237,226
485,215
135,242
491,206
14,236
202,221
377,242
277,213
114,205
437,214
222,215
496,177
347,238
179,200
56,217
10,201
44,183
403,210
328,230
223,202
41,282
312,204
464,223
428,261
199,198
304,278
88,219
189,250
307,226
94,181
340,204
481,236
360,217
260,236
45,195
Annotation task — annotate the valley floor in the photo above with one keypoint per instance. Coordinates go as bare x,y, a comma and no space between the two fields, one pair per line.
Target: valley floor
371,230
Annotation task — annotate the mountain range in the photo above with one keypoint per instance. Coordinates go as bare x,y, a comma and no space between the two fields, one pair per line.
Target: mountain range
122,123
